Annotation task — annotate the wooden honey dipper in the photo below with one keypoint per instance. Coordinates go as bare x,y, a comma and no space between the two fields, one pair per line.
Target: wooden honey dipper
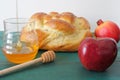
47,56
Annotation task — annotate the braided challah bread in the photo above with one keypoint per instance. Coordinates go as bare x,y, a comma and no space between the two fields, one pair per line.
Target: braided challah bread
58,32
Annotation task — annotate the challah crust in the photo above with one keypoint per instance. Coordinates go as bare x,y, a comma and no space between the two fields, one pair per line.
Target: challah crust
59,32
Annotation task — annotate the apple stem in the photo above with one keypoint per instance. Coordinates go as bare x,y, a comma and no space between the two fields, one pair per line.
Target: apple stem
100,21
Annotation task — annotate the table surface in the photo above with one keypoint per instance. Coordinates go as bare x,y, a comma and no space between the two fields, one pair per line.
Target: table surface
65,67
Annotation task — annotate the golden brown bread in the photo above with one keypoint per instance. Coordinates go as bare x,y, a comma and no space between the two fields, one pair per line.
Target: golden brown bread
58,32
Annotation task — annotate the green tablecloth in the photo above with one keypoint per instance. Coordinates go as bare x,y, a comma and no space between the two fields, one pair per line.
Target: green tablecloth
66,67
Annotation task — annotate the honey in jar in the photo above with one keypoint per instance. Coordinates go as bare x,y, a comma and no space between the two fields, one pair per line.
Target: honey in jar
19,54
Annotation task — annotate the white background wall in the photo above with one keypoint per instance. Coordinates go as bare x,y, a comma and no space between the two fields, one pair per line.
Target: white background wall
92,10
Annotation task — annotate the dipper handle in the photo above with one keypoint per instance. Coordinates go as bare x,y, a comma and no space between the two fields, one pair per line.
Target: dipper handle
47,56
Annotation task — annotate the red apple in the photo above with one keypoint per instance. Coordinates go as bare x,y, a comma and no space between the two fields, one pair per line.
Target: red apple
97,54
107,29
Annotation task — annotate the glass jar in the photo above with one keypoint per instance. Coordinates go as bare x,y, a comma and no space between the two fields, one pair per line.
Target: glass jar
16,49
